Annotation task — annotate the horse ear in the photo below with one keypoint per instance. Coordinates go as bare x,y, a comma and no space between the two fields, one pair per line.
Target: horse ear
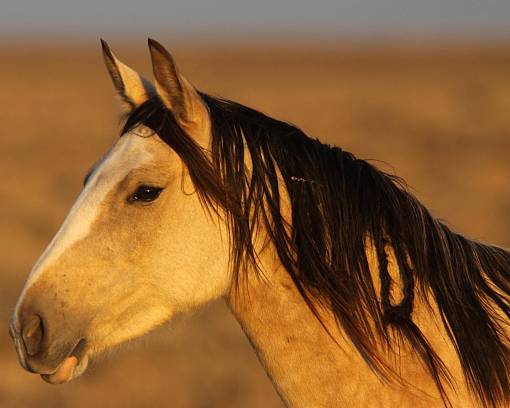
176,92
131,87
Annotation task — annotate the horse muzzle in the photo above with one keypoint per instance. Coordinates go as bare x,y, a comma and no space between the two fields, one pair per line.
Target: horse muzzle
56,361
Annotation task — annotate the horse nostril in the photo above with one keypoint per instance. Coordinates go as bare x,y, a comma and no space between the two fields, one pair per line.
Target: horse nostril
32,335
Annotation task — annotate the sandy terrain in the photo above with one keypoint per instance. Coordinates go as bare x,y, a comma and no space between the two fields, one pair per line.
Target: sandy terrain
439,117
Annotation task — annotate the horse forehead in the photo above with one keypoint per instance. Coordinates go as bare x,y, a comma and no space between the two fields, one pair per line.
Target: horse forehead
129,152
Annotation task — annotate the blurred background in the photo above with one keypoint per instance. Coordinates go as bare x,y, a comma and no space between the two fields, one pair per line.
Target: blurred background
422,86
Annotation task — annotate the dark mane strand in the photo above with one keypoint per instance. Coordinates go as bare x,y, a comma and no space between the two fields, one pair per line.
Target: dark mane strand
337,203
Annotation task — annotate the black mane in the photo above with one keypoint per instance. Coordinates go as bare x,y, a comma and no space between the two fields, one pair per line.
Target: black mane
338,202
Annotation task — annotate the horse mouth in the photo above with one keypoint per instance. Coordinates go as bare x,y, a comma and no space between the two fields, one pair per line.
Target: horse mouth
71,367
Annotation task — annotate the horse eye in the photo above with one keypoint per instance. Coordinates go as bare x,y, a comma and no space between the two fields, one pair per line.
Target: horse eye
145,194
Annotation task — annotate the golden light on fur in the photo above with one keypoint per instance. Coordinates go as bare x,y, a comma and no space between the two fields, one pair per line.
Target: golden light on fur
345,284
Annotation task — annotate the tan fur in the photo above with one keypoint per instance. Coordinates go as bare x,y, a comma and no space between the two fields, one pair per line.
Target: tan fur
132,88
179,95
310,370
138,265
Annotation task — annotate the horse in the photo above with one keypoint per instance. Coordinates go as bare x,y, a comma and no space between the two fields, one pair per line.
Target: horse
350,291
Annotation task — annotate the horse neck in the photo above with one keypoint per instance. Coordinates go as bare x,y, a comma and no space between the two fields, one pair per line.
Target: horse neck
309,369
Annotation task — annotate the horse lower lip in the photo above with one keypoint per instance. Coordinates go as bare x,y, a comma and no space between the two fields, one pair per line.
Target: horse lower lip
63,373
67,368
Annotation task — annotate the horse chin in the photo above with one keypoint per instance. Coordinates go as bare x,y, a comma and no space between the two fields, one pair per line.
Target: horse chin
71,367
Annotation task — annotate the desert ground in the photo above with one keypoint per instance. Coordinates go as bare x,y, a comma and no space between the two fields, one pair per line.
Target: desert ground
437,115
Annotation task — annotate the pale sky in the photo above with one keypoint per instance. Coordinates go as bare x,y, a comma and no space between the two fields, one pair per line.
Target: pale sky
254,17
